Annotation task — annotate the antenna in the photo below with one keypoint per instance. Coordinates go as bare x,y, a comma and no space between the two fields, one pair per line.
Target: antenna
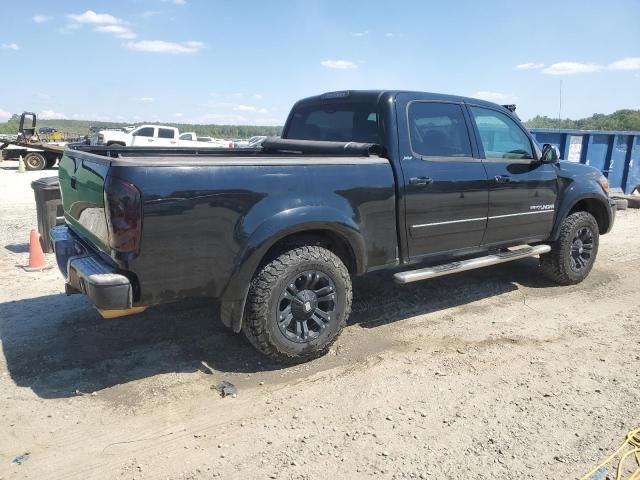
560,107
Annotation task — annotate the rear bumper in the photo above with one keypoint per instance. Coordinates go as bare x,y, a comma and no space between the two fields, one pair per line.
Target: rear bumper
86,272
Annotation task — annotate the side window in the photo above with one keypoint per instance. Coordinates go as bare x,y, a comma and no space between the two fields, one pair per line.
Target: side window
501,136
144,132
438,130
166,133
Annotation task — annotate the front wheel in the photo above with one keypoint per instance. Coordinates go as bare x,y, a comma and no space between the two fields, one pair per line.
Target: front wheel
298,304
572,256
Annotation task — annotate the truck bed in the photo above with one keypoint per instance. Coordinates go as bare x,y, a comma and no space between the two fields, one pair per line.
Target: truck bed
209,215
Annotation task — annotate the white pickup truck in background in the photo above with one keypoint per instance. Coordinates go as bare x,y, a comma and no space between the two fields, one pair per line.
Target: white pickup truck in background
155,136
186,139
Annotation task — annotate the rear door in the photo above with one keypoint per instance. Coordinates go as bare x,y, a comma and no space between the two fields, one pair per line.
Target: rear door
445,183
166,137
522,190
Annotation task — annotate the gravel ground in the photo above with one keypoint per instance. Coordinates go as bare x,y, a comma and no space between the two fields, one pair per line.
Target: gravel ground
490,374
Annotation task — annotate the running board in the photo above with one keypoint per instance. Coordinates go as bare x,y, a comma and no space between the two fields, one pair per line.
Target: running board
464,265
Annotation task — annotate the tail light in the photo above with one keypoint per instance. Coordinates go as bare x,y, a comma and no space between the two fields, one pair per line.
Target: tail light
123,209
231,145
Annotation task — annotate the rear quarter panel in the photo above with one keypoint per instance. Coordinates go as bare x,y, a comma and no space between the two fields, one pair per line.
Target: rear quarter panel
205,226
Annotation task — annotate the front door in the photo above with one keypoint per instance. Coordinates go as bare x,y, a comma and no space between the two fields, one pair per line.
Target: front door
522,190
445,184
143,137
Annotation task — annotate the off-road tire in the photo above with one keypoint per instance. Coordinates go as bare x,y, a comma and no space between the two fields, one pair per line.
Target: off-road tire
35,161
260,324
557,264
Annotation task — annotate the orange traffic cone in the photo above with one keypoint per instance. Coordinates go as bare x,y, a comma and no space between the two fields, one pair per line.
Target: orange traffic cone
36,256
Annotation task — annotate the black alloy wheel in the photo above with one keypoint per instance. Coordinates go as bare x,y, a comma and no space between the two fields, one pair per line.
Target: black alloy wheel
306,306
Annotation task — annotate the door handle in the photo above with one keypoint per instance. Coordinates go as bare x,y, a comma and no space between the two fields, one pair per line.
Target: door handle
73,183
420,181
503,178
150,140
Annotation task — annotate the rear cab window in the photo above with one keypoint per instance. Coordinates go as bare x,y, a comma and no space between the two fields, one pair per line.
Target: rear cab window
336,122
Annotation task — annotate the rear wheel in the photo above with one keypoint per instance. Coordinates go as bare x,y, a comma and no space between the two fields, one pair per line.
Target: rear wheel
572,256
298,304
34,161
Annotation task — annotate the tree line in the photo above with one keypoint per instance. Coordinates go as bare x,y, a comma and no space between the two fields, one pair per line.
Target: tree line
618,120
81,127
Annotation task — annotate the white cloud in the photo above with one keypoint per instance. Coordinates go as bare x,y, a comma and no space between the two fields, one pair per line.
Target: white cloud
263,110
117,30
160,46
4,115
360,34
570,68
150,13
41,18
257,96
338,64
146,99
530,66
179,115
389,35
629,63
11,46
245,108
49,114
93,18
175,2
496,97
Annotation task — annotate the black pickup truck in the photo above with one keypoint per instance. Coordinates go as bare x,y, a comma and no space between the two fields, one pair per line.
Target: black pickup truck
425,184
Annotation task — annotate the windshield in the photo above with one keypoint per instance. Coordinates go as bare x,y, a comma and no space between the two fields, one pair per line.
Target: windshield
338,122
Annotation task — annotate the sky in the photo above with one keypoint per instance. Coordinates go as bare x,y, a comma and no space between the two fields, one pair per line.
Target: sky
247,62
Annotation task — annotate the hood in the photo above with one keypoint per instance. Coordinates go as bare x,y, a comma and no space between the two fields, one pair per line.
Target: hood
573,171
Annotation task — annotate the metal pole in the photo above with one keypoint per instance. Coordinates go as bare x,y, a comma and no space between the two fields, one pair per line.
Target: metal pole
560,107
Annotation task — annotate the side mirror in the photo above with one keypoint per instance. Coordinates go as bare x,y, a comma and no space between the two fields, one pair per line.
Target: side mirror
550,153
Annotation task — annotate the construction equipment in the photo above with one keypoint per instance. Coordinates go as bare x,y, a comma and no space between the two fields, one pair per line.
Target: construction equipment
37,155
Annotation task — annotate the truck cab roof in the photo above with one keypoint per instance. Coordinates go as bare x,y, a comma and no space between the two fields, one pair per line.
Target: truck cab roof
375,96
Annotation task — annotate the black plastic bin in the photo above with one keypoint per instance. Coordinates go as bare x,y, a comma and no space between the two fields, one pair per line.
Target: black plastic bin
49,207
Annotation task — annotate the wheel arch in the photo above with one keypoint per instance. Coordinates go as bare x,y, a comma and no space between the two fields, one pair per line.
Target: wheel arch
594,204
304,226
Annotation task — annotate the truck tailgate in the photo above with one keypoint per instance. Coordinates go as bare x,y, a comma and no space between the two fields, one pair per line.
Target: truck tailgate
82,180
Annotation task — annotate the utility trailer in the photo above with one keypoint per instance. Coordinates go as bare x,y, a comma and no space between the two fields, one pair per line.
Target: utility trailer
36,155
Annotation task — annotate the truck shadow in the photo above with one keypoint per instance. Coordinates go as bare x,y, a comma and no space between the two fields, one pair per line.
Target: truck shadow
59,346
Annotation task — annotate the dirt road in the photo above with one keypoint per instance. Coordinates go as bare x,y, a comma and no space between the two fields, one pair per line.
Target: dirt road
491,374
